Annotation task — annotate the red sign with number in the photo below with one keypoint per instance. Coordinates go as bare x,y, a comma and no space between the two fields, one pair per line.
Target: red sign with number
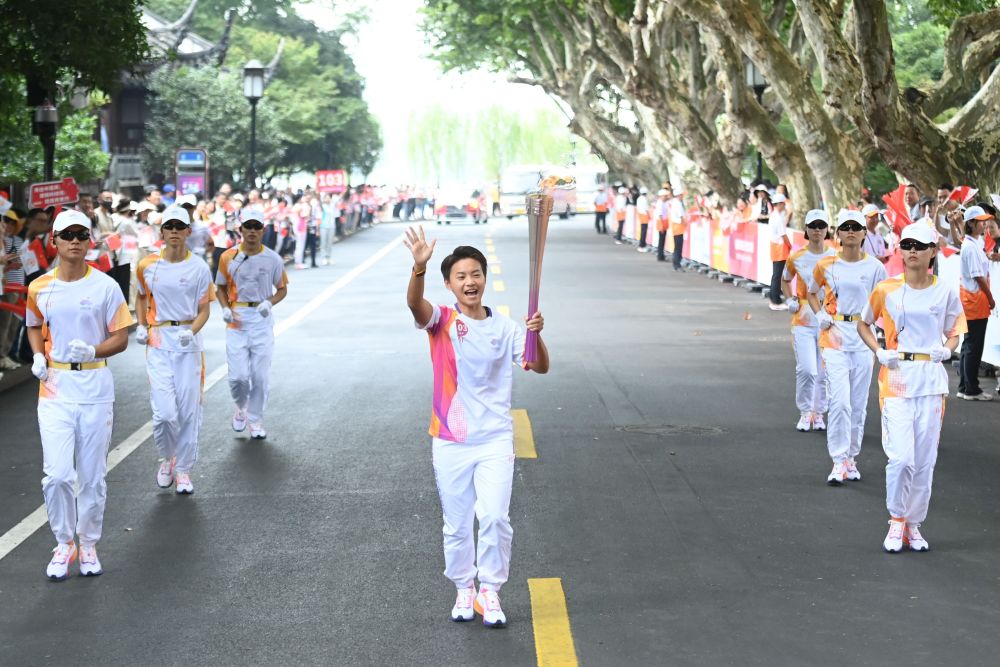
331,180
55,193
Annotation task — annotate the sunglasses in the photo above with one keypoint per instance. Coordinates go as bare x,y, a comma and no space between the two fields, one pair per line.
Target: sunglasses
173,225
817,225
910,244
67,235
253,226
850,227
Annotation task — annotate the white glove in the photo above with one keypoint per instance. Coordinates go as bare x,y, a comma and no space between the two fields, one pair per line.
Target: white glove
940,353
824,319
264,308
888,358
227,315
141,335
40,367
185,337
81,352
793,304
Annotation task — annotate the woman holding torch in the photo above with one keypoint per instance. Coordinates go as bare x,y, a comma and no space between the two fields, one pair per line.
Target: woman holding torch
473,350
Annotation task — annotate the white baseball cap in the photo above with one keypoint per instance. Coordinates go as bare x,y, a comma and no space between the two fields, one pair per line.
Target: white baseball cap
662,191
178,213
869,210
69,218
778,199
190,200
761,188
844,216
976,212
817,214
918,231
643,191
622,191
251,213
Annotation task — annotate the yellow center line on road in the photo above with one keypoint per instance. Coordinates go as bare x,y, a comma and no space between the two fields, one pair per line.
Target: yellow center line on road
498,286
550,620
524,438
504,310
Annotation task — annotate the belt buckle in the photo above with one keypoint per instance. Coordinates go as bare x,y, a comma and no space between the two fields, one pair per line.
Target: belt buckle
75,366
175,323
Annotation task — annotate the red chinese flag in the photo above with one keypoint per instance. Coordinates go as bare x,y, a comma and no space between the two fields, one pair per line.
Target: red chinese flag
896,201
963,194
113,241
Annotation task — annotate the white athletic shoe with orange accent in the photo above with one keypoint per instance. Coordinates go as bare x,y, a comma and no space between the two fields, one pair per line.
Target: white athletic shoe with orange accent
165,474
853,474
62,557
463,610
818,423
90,566
914,539
838,475
239,420
805,422
487,605
184,485
257,431
894,539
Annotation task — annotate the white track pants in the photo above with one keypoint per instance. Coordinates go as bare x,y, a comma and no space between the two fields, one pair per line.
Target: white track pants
911,430
176,380
248,355
474,482
810,383
80,431
848,378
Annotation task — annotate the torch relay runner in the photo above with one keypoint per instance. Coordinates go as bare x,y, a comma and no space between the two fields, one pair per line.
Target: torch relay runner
174,294
251,279
473,351
918,312
76,318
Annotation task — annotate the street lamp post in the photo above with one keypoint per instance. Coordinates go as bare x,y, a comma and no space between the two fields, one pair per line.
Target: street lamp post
46,120
756,80
253,90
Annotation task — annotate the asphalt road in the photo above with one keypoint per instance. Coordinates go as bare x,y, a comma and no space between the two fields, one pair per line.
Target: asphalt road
688,521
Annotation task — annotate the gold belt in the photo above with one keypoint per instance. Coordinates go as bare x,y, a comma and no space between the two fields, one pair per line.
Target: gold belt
245,304
914,356
847,318
78,365
173,323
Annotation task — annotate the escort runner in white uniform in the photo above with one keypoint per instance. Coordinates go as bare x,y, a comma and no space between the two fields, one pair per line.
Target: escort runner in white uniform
173,304
76,318
473,352
251,279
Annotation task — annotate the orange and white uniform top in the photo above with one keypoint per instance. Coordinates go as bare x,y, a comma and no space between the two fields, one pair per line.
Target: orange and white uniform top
777,225
174,291
676,215
89,309
621,201
250,279
601,202
800,267
642,209
845,287
915,321
974,264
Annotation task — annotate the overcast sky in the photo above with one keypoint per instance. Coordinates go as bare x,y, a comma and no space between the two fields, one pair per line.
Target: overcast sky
391,54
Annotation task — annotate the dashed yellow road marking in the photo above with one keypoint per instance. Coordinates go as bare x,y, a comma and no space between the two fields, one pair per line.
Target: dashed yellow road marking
504,310
550,620
498,286
524,438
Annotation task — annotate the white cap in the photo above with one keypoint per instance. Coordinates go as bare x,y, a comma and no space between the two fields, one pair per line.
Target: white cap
869,210
622,191
918,231
145,206
976,212
817,214
778,199
68,218
190,200
643,191
178,213
761,188
662,191
251,213
849,216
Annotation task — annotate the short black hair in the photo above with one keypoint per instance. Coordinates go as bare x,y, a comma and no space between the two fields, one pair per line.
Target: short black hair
945,186
460,253
35,211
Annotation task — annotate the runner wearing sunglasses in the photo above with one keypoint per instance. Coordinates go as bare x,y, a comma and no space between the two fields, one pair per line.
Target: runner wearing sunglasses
917,312
252,279
810,392
172,305
76,318
845,280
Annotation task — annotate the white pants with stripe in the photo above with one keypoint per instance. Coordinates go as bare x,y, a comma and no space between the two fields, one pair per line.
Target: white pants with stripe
848,378
75,440
176,380
911,430
248,356
475,482
810,381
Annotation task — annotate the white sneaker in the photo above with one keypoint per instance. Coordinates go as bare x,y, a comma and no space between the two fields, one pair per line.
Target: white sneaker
818,423
487,605
9,364
257,431
239,420
184,486
853,473
981,396
463,611
838,474
805,422
914,539
165,474
894,539
90,566
778,306
62,557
